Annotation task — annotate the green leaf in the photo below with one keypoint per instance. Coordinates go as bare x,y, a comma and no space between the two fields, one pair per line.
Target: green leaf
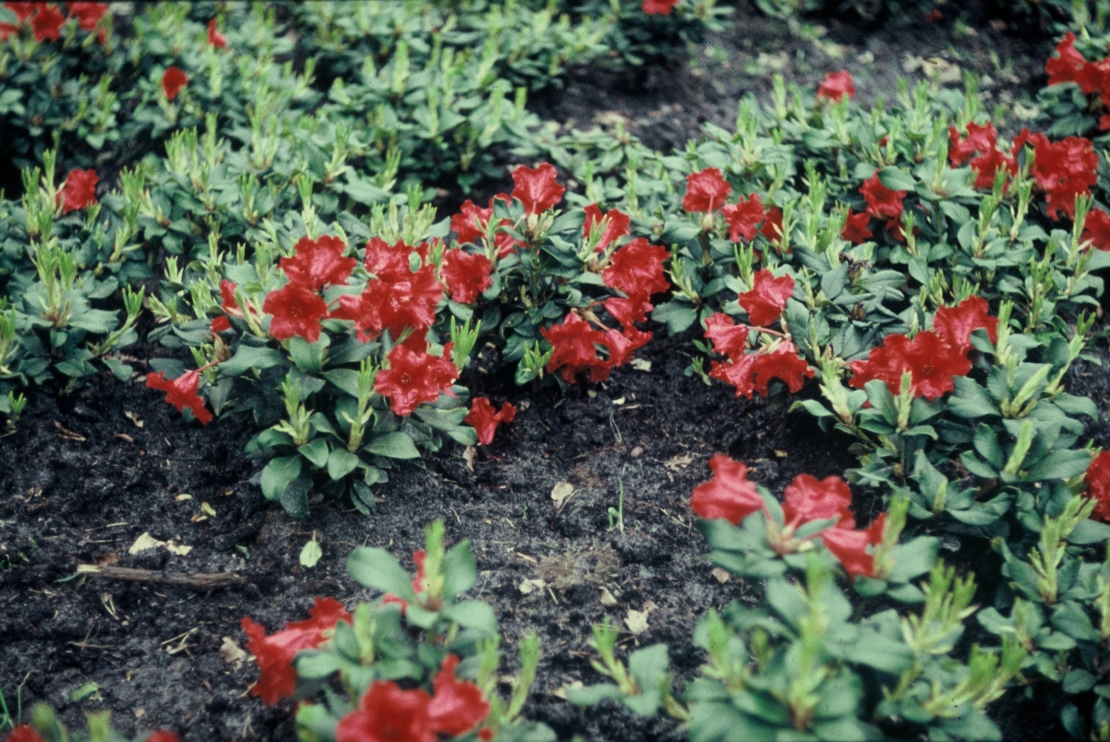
986,443
881,652
1089,532
309,357
310,554
376,568
677,317
459,570
1062,464
913,558
1078,681
295,497
315,451
278,474
341,462
248,357
896,179
344,378
472,614
121,370
594,694
396,445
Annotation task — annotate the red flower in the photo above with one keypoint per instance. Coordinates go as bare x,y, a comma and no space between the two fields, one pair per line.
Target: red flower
47,23
837,85
855,229
466,275
807,499
182,393
627,311
984,140
78,192
215,38
88,15
297,311
388,714
619,223
471,223
537,189
575,349
220,324
772,226
228,304
934,16
387,262
622,345
275,653
173,80
637,269
161,736
1069,66
1098,485
744,217
1064,169
850,547
414,378
658,7
705,191
484,419
783,364
8,29
729,338
1096,229
954,325
457,706
739,372
728,494
765,302
932,362
881,201
875,530
24,733
22,10
396,298
318,263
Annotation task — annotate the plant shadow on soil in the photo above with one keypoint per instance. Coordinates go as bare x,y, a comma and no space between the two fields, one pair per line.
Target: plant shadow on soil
85,475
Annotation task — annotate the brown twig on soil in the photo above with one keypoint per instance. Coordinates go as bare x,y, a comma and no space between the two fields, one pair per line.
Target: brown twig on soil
202,581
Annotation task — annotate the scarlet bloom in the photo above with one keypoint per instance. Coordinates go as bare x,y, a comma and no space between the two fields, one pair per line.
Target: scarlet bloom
575,349
1098,485
8,29
955,324
318,263
24,733
619,224
658,7
471,224
984,140
622,345
850,547
772,226
765,302
457,706
88,15
466,275
163,737
182,393
836,85
388,714
807,499
855,229
215,38
415,377
738,371
1064,169
881,201
275,653
705,191
783,364
228,304
1096,229
729,494
627,311
537,189
173,80
637,269
78,192
1069,66
47,22
297,311
22,10
728,338
931,361
485,419
744,217
875,530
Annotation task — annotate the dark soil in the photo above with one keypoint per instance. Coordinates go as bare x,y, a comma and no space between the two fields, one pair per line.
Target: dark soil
85,475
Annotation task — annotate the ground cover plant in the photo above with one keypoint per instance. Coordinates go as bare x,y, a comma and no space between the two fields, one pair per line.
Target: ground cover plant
347,254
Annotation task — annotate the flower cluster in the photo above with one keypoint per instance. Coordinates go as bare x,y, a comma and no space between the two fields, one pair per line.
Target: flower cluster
182,393
1091,77
1098,485
836,86
980,147
485,419
882,202
45,20
78,192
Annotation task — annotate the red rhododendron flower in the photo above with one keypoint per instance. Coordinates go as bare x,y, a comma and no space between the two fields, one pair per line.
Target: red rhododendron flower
385,261
277,676
627,311
772,226
388,714
955,324
855,228
1064,169
228,304
457,706
22,10
744,217
88,15
537,189
318,263
485,419
78,192
1096,229
1069,66
875,530
984,140
396,298
471,222
173,80
729,494
24,733
705,191
1098,485
181,393
807,499
297,311
783,364
466,275
850,547
414,378
729,338
932,362
8,29
619,224
637,269
161,736
881,201
739,372
658,7
765,302
622,345
574,345
47,23
215,38
836,85
220,324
